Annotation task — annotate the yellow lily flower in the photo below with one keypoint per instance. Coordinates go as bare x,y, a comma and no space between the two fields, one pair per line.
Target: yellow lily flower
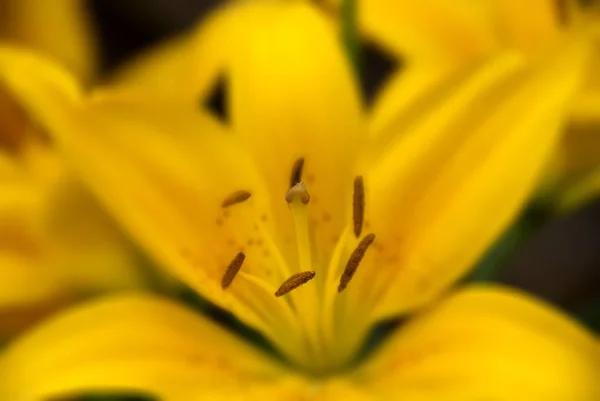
57,245
435,38
310,229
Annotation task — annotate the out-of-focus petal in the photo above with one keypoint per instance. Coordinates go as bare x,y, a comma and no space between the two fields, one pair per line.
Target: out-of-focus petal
60,29
188,66
487,343
292,91
460,150
138,343
63,245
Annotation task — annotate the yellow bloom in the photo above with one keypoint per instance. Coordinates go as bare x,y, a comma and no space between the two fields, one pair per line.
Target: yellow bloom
367,225
436,38
56,243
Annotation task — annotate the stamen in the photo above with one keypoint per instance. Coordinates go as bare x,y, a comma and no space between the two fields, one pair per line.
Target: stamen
562,12
294,282
355,260
358,205
232,270
236,197
296,176
298,191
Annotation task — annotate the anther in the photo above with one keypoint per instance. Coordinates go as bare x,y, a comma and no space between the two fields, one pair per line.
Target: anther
358,205
294,282
562,12
232,270
236,197
297,168
297,191
354,261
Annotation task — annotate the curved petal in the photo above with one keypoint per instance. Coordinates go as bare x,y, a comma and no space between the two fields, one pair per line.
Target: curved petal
137,343
437,38
461,31
487,343
186,67
431,30
165,71
293,96
164,170
463,167
53,92
60,29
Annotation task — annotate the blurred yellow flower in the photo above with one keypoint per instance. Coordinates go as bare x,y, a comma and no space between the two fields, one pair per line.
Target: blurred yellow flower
307,225
436,38
56,244
60,29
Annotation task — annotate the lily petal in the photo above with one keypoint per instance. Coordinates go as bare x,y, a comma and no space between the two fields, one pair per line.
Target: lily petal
462,152
437,38
487,343
61,29
186,67
575,168
293,96
462,31
164,170
430,31
138,343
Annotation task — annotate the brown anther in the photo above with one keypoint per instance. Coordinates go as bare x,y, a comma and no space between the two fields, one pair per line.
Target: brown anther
294,282
297,168
354,261
232,270
235,198
358,205
297,191
563,13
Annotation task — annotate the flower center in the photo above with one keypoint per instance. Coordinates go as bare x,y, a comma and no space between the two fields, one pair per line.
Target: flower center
310,320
